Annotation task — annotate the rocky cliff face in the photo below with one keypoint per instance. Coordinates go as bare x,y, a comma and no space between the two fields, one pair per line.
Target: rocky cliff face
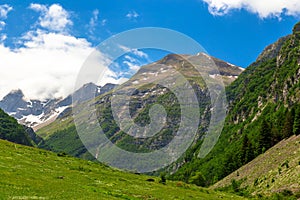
296,28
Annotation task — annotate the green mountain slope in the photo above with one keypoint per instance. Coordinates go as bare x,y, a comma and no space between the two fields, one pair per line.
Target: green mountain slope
276,170
263,109
30,173
10,130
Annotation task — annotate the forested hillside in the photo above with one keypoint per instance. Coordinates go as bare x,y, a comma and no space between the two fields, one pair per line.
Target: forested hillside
10,130
264,108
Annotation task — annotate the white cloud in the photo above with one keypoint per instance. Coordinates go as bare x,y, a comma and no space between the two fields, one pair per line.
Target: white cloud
94,20
94,23
3,37
2,25
132,66
48,62
53,18
103,22
132,15
264,8
4,10
135,52
131,59
134,59
46,66
140,53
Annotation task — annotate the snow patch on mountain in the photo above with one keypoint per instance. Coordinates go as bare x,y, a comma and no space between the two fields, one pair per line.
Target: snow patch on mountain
35,113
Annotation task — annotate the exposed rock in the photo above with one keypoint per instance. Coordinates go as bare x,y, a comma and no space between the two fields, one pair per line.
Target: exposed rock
35,113
296,28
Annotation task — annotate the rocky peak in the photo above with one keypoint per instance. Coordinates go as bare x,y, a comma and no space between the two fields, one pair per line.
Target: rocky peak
171,59
296,28
271,51
13,101
35,113
188,65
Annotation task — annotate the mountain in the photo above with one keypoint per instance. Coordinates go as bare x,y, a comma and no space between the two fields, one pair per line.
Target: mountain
275,171
29,112
264,109
61,135
37,113
12,131
33,173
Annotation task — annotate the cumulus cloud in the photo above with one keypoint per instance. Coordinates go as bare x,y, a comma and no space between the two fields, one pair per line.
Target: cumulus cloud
48,64
132,15
48,61
264,8
53,18
45,67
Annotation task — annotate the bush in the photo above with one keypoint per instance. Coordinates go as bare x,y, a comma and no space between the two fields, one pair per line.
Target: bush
163,178
235,185
198,179
62,154
286,164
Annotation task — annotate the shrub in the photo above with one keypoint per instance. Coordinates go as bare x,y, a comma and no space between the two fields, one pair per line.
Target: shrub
163,178
234,185
286,164
198,179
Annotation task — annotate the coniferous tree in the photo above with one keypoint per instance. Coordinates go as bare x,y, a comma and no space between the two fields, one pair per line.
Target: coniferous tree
276,135
287,130
198,179
264,138
247,151
296,127
244,148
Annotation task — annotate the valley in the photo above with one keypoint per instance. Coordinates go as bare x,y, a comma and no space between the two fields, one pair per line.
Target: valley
256,156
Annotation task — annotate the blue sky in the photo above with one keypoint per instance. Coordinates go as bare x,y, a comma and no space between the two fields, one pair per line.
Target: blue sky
235,32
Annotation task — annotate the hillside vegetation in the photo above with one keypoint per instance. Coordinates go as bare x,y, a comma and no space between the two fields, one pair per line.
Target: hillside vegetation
30,173
10,130
264,108
275,171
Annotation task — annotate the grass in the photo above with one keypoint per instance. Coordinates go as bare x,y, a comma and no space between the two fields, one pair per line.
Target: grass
30,173
48,130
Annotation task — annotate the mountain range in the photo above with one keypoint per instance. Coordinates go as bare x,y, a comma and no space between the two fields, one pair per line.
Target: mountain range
257,152
141,101
38,113
263,110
